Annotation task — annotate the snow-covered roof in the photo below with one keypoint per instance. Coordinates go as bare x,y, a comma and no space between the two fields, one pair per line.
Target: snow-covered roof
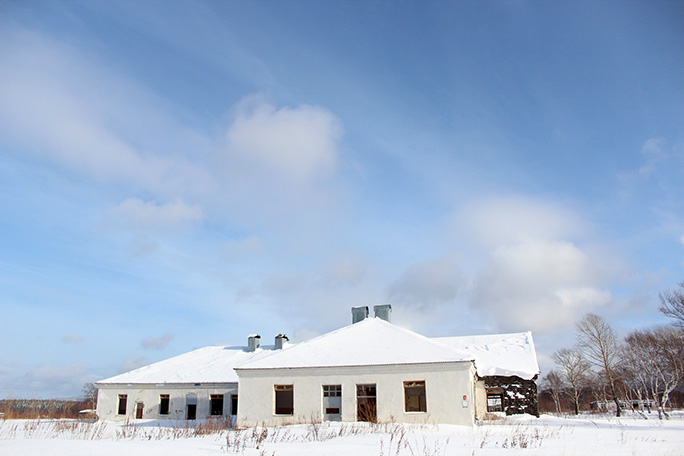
205,365
372,341
499,354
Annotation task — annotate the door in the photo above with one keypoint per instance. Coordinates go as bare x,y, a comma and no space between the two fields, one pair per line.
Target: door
366,403
139,407
191,406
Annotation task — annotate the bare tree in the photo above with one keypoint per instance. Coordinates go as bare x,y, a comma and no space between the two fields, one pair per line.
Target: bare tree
658,354
672,304
573,368
90,395
554,385
599,343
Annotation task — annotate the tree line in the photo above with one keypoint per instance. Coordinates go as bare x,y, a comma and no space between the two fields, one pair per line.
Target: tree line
640,371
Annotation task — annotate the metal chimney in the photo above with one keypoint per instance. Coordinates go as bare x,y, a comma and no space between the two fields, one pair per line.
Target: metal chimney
383,311
253,342
279,340
359,313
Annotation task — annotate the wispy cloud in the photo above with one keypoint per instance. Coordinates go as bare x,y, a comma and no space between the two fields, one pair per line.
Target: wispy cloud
428,283
72,339
133,362
157,343
654,153
62,106
148,215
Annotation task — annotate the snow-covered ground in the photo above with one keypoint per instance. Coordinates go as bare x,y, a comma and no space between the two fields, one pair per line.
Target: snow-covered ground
523,435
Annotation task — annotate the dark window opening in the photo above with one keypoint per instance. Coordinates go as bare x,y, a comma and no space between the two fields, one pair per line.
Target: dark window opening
191,412
216,404
415,399
123,398
164,404
284,399
332,411
233,404
366,405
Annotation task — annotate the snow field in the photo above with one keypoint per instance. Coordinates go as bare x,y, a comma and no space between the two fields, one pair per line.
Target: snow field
549,435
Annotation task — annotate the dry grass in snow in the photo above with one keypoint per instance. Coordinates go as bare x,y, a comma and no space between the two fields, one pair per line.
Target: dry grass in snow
586,435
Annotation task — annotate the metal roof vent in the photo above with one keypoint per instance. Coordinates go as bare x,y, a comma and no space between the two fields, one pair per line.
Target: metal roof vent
280,340
359,313
253,342
383,311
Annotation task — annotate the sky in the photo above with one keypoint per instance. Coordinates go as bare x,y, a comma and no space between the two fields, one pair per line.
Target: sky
182,174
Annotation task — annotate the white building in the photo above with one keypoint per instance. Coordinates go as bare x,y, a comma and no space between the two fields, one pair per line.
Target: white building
370,370
194,385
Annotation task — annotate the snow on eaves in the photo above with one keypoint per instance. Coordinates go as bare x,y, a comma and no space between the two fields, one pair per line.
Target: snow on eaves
499,354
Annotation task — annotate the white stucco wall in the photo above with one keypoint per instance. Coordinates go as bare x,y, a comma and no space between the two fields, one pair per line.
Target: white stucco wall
108,399
445,384
480,400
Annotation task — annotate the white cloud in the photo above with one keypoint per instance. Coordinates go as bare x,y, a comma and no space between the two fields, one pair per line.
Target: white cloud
72,339
653,151
75,112
137,214
46,372
133,362
157,343
428,283
297,144
538,285
509,219
142,245
238,249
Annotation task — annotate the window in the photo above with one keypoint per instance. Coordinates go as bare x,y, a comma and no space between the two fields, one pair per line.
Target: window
332,401
139,410
415,399
233,404
366,403
284,399
216,404
494,402
332,390
163,404
123,398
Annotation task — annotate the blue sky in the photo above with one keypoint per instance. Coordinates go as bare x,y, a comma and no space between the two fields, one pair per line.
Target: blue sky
180,174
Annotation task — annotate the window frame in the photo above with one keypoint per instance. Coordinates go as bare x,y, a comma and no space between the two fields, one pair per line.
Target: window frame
495,393
332,390
214,408
413,386
123,399
283,390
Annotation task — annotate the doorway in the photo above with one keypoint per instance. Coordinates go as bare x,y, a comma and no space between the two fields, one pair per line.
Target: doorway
366,403
191,406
